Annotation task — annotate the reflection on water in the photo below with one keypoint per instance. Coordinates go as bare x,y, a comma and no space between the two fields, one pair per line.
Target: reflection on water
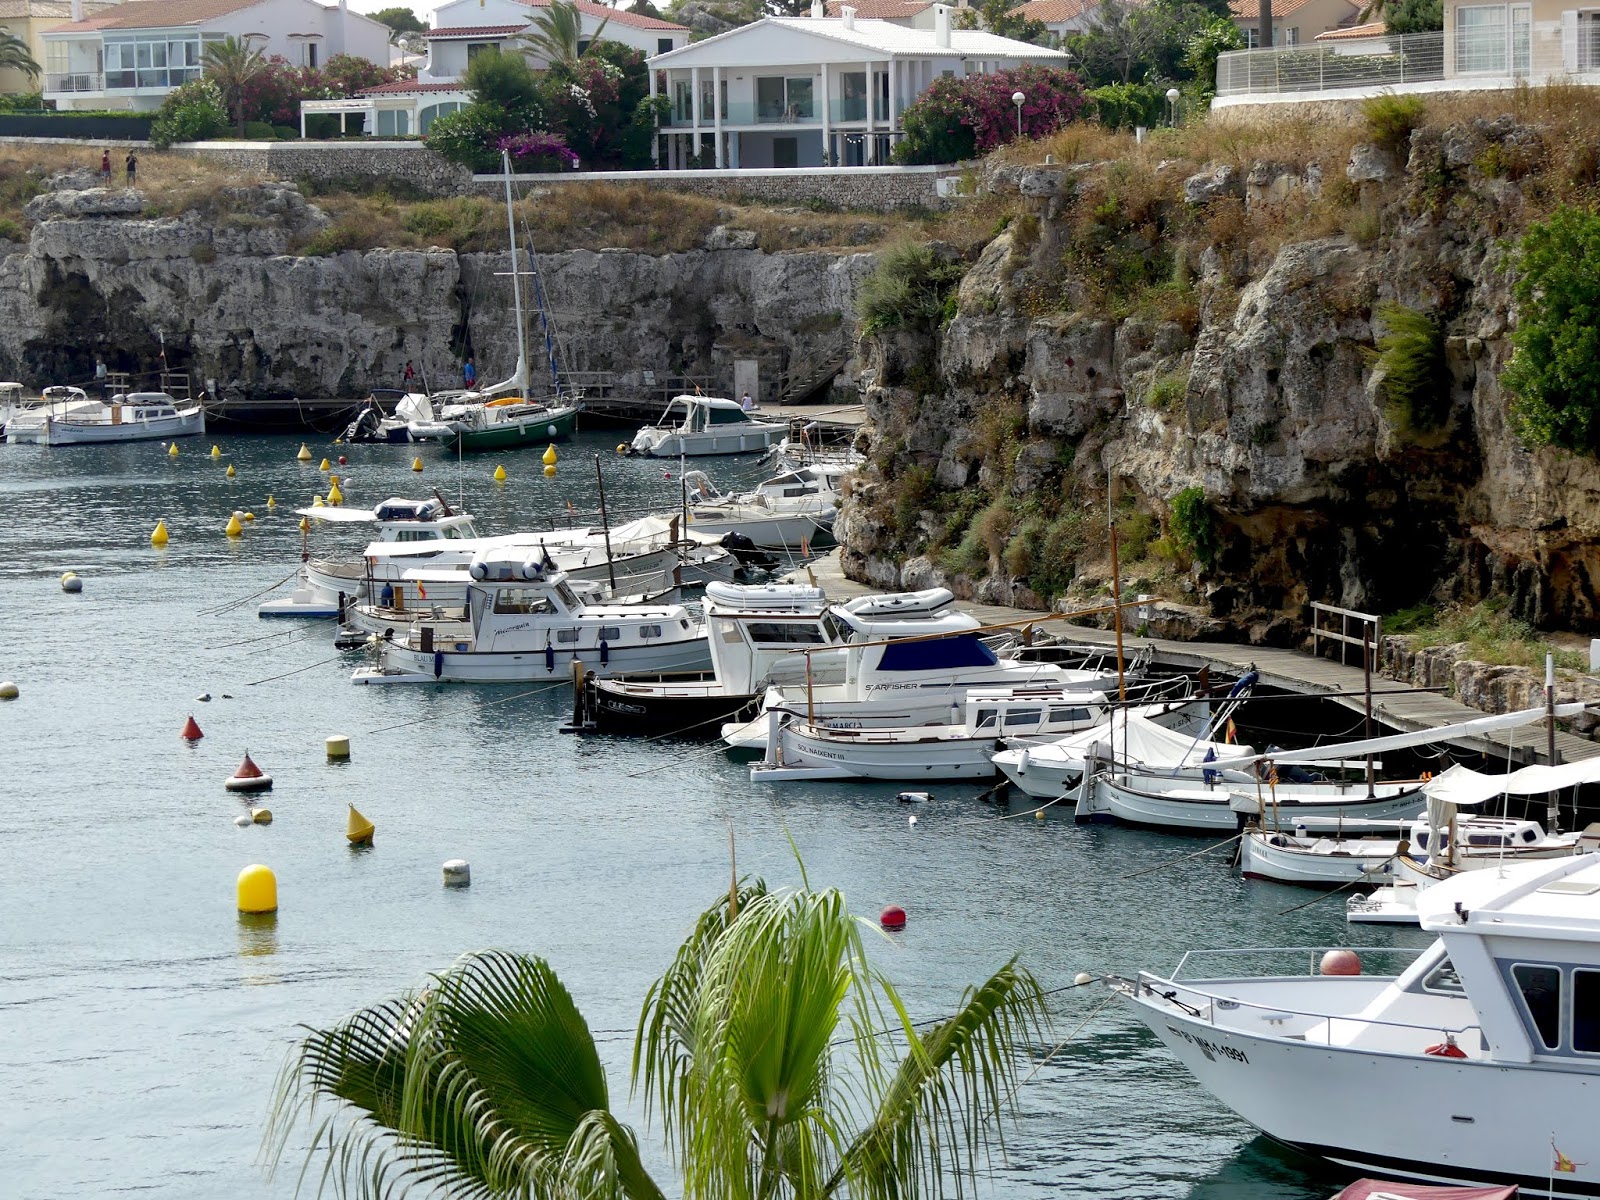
149,1020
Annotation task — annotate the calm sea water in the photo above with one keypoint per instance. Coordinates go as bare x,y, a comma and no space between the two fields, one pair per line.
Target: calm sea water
142,1025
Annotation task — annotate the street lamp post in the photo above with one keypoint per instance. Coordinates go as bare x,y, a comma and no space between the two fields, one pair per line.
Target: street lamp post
1172,107
1017,98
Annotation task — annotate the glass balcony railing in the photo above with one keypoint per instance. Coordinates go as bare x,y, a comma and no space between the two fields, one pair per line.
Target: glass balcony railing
74,81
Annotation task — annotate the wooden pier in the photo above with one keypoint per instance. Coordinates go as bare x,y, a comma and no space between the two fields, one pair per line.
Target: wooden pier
1289,670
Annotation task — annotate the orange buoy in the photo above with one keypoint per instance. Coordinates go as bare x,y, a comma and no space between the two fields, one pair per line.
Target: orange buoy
191,730
1341,962
248,778
893,917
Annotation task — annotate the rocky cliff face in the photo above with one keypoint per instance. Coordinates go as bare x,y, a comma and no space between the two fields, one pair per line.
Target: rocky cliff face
1244,375
236,306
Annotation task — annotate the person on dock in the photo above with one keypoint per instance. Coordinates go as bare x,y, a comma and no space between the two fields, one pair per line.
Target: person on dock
132,164
747,404
409,378
469,372
100,376
105,166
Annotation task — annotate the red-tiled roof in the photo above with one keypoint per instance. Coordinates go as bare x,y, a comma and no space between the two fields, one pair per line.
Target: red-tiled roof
157,14
468,31
1250,10
1053,12
620,16
878,10
407,86
1370,29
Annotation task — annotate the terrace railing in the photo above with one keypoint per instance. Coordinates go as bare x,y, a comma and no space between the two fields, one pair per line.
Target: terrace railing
1390,61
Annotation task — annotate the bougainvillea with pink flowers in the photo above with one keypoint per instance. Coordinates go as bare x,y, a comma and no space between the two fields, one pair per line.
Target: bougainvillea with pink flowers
539,150
957,119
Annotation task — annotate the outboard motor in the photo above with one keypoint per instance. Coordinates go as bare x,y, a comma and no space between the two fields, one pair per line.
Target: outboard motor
745,552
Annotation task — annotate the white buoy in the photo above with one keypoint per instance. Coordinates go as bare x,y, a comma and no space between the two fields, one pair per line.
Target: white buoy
913,821
9,690
71,584
1082,978
339,748
243,820
457,873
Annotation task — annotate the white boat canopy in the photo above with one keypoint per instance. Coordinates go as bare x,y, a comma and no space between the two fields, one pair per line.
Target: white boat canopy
1464,787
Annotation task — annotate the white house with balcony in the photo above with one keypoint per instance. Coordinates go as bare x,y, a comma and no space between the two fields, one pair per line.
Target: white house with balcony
131,55
1483,47
814,91
465,29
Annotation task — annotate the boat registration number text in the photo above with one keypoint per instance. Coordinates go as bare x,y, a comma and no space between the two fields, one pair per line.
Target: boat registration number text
1212,1050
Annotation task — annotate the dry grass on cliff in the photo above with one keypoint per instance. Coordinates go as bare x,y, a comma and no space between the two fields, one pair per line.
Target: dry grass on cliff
1490,634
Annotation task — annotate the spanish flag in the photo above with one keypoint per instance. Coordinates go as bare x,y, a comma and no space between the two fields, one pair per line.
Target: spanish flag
1562,1162
422,591
1232,736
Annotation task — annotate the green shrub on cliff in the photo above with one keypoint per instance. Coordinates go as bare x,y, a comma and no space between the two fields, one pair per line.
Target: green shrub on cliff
1194,526
1554,374
911,287
1390,119
1416,378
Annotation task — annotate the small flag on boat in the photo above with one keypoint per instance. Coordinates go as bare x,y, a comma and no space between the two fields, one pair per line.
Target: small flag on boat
805,547
1562,1162
422,591
1232,736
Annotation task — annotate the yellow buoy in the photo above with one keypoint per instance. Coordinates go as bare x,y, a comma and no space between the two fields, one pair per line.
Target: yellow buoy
622,447
316,502
249,516
231,471
416,464
271,502
305,453
358,829
261,816
550,455
9,690
305,524
335,496
550,470
339,748
233,528
324,465
172,450
216,451
499,474
257,889
159,537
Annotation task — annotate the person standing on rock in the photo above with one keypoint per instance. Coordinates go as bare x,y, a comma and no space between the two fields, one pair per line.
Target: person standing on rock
105,166
133,167
408,377
469,373
100,376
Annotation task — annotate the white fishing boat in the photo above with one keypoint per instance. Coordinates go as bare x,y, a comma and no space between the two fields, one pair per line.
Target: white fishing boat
640,558
76,420
525,623
695,426
13,403
899,660
1219,805
1477,1063
961,748
790,511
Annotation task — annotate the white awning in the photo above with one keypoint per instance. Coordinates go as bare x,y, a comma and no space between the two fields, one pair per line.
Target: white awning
1462,786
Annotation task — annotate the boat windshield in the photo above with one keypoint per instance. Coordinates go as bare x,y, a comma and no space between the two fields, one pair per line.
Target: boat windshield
568,596
522,600
786,633
936,654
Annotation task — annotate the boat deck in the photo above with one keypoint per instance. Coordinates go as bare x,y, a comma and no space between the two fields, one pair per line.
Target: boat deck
1290,670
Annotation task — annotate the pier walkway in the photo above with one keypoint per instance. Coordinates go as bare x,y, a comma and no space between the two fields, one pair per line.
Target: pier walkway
1290,670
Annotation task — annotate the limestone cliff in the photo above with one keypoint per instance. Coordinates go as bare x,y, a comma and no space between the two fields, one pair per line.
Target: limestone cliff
1205,338
236,306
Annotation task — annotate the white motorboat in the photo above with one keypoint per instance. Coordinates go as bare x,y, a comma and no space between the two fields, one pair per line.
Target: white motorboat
416,535
1170,737
790,511
13,403
526,624
899,659
801,449
1475,1064
961,748
1218,806
705,425
76,420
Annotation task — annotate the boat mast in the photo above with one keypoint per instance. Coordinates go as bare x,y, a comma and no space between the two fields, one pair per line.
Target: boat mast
605,528
516,283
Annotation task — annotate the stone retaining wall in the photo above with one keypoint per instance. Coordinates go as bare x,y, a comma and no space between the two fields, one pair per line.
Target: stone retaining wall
338,163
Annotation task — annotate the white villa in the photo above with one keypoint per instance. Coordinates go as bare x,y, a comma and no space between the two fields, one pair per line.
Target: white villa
466,28
817,91
131,55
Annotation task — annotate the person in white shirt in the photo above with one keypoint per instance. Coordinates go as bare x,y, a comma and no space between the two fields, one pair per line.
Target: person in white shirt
746,403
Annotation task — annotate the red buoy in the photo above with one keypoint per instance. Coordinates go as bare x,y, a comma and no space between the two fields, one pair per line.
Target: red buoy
1341,962
343,460
191,731
248,778
893,917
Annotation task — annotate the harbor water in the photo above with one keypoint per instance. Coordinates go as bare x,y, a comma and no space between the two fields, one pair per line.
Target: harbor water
144,1023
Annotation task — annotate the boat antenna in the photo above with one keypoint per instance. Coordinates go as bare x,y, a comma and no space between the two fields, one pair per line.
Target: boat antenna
605,528
516,284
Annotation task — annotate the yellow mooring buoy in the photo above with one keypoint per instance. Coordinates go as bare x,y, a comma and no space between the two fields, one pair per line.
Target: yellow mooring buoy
499,474
416,464
335,496
216,451
550,455
159,537
305,453
272,502
357,829
324,465
257,889
172,450
233,529
231,471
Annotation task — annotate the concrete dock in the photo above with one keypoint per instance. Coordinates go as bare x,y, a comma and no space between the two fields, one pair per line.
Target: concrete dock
1290,670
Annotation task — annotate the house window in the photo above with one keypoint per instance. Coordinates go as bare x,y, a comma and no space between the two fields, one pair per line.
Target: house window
393,122
663,45
1589,41
311,55
433,112
1481,41
476,48
853,96
708,98
682,102
1294,36
784,98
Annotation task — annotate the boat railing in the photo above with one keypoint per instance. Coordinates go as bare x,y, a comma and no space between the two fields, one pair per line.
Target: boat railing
1219,1009
1280,955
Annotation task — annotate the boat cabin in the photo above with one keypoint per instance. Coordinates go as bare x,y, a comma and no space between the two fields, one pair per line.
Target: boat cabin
701,413
752,628
1007,712
401,520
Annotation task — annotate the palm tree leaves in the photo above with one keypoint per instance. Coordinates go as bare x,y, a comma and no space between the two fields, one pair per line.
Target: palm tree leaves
14,53
234,64
556,34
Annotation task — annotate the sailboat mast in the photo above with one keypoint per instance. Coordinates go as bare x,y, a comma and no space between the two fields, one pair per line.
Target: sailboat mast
516,282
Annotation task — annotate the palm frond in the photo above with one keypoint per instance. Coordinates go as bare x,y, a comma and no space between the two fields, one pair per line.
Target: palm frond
487,1083
557,32
953,1085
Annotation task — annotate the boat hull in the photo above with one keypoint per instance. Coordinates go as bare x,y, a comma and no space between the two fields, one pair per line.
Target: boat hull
1211,810
752,439
534,430
56,432
907,759
1429,1119
689,705
780,531
401,664
1262,857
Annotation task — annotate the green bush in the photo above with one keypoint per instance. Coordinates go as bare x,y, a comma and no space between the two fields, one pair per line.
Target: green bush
1416,378
1554,373
1414,16
349,234
285,132
1194,526
190,113
257,129
470,137
1391,118
1167,391
1124,105
912,287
